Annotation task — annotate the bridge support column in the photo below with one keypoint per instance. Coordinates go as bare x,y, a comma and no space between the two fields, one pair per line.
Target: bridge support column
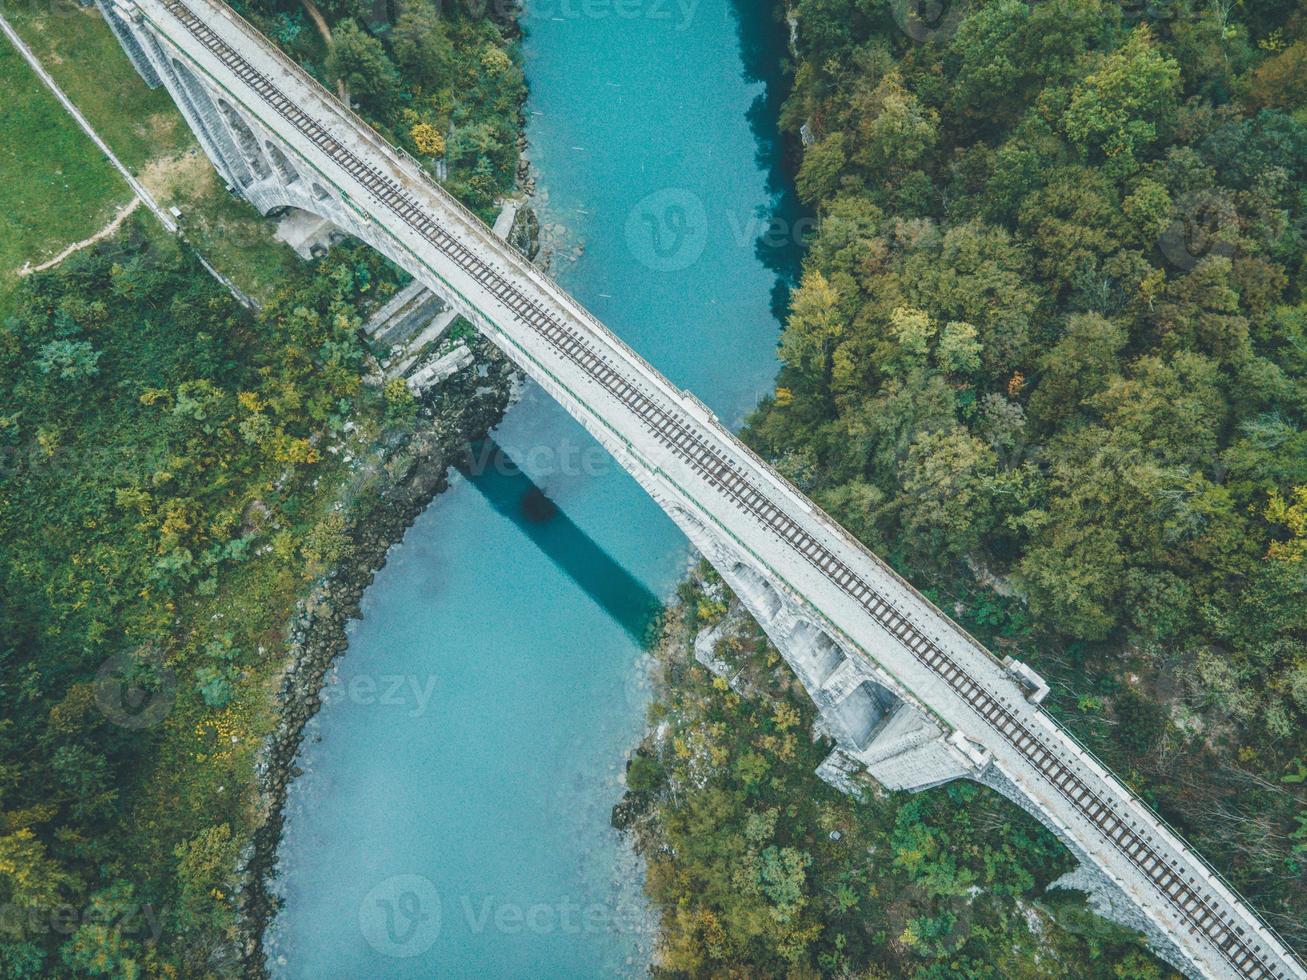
253,160
876,730
123,32
1105,893
879,733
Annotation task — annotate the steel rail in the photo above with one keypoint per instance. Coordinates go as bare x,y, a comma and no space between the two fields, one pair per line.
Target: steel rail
681,436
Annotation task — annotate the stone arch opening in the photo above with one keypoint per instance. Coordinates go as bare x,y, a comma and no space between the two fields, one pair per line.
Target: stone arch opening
320,193
758,594
210,126
813,652
285,170
860,712
245,139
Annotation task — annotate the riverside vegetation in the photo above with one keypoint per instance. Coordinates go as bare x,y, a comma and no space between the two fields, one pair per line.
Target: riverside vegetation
175,475
1047,358
441,80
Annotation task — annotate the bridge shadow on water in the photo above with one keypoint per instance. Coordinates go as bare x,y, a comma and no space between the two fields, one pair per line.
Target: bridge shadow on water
512,493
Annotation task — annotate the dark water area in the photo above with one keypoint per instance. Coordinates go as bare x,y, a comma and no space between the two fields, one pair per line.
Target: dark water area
508,489
453,815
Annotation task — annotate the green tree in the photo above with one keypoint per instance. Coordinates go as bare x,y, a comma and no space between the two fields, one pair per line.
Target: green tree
68,360
32,881
948,493
1081,363
358,59
107,941
206,867
1122,110
822,164
814,326
422,47
782,875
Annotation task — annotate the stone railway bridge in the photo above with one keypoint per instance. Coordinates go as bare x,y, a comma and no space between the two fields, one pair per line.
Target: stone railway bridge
908,697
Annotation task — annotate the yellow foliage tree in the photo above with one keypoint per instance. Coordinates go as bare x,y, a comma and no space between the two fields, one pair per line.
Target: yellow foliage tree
1292,513
428,139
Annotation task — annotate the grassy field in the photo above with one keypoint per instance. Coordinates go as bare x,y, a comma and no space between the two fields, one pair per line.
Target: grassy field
227,230
149,136
55,186
78,49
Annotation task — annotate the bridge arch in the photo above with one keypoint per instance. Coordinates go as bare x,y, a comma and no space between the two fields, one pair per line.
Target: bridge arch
245,139
814,652
758,594
206,116
285,169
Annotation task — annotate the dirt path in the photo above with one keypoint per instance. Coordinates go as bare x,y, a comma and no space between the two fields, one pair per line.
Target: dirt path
104,232
141,193
143,196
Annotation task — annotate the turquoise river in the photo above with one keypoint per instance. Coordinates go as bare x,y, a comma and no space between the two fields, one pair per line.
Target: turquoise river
452,819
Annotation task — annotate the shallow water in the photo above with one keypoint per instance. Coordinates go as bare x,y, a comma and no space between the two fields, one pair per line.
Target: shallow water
452,819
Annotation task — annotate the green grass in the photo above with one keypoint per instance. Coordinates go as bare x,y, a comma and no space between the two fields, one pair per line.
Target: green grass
76,46
150,137
227,230
233,236
55,185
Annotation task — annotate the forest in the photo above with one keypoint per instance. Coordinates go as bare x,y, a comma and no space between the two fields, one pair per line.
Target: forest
167,445
176,472
1048,356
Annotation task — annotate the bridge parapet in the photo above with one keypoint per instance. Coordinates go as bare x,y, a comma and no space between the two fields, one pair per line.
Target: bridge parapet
1035,687
796,568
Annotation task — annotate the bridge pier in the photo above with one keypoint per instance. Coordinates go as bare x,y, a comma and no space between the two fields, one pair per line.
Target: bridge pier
247,155
1105,893
877,729
881,734
908,697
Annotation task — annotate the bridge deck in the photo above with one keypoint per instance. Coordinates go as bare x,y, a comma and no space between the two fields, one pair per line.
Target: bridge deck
681,444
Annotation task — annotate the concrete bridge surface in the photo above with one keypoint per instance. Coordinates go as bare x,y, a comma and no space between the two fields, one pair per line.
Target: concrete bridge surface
908,697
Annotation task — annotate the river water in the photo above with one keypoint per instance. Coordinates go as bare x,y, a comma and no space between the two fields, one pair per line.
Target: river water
453,815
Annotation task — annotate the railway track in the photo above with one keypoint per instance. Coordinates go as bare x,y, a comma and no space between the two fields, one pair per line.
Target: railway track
1195,906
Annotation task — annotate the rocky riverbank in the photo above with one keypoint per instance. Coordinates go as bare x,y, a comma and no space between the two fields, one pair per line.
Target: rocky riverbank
392,486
